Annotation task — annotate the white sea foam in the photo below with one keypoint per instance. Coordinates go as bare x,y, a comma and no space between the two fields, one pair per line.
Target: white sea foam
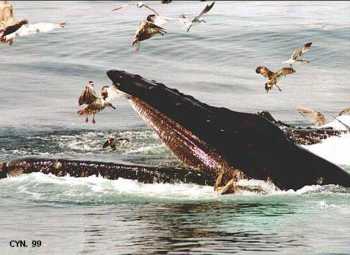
334,149
41,187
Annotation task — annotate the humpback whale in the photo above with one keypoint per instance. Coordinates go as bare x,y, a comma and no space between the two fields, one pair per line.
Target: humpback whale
219,140
218,145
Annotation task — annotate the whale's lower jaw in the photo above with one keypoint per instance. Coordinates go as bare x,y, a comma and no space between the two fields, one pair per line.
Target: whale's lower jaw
217,139
182,142
108,170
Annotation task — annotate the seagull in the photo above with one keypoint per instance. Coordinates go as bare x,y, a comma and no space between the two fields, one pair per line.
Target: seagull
298,53
112,142
273,77
30,29
197,19
138,5
317,118
146,31
142,4
95,103
155,18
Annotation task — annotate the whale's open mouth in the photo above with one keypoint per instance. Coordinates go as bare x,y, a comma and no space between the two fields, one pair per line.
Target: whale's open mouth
148,101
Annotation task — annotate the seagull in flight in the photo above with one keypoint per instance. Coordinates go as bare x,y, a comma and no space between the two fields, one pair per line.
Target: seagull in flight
273,77
146,30
298,54
155,17
31,29
197,19
317,118
94,103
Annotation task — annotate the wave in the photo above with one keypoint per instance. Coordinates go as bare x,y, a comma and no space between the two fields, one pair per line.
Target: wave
39,187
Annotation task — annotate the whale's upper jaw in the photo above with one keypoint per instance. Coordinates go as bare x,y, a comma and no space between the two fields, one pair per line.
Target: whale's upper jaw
164,109
131,84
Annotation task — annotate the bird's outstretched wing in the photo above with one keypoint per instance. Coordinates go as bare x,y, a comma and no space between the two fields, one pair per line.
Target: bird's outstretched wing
153,28
108,93
120,7
283,72
88,95
344,112
264,71
297,53
315,117
141,4
13,28
206,9
306,47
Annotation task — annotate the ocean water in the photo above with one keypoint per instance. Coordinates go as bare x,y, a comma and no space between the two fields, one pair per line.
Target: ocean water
43,75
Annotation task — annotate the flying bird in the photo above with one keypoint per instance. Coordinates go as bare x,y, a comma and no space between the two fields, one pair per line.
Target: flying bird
317,118
273,77
155,17
298,54
94,103
30,29
146,31
197,19
139,5
142,4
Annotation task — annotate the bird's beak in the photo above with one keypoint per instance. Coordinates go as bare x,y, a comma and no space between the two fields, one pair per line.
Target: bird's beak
112,106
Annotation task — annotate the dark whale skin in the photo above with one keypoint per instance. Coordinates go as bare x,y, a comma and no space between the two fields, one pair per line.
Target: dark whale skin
248,142
108,170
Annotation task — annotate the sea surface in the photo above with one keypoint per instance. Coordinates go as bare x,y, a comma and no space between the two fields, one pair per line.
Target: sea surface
43,75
